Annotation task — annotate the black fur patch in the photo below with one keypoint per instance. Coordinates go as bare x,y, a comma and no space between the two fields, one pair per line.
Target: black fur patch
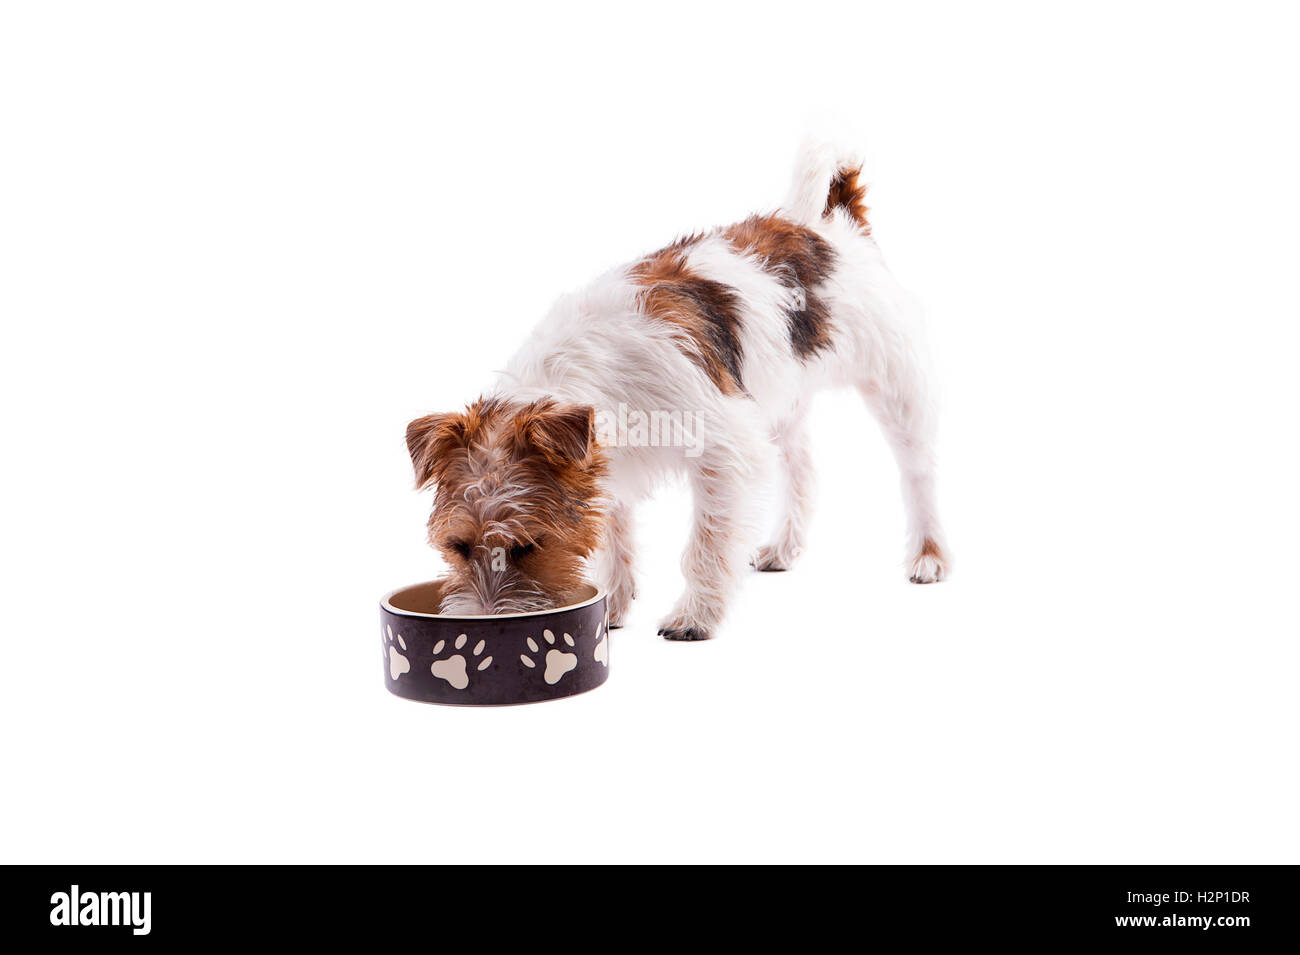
719,305
801,260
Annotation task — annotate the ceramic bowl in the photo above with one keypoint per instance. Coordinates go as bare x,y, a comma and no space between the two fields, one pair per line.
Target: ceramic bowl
496,660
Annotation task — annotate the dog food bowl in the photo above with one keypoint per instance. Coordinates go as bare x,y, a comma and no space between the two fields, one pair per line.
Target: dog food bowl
491,660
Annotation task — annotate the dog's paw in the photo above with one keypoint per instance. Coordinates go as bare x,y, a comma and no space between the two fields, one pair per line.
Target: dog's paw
690,619
930,566
683,633
772,558
619,604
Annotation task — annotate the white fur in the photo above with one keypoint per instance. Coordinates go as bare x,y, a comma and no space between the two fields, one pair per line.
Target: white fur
597,347
817,165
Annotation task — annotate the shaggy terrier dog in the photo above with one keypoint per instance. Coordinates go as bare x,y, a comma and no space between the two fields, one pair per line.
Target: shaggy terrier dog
700,358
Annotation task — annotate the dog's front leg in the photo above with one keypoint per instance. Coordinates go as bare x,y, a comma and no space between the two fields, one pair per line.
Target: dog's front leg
722,537
617,564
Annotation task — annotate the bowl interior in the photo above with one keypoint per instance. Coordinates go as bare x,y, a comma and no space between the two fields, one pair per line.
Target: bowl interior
423,600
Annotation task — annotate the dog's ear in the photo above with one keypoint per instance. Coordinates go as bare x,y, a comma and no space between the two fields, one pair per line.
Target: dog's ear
560,433
431,440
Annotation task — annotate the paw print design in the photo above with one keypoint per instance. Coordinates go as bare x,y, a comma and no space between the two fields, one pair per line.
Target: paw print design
397,662
455,669
558,662
601,653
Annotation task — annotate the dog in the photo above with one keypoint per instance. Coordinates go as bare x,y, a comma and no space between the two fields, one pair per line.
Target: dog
698,358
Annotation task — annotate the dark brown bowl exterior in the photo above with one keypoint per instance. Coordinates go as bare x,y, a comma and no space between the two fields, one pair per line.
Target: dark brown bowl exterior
491,661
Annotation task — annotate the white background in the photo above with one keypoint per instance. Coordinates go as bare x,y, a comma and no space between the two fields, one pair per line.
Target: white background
242,244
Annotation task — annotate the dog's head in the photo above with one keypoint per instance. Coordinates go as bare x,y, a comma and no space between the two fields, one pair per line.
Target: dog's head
517,505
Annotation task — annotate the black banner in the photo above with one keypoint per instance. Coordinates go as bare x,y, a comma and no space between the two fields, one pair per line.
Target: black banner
1223,907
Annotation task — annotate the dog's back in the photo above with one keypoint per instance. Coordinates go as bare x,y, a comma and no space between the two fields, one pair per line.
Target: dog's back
732,330
766,310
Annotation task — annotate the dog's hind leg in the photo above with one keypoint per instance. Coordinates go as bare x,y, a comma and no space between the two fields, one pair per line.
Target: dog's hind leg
723,481
902,407
791,440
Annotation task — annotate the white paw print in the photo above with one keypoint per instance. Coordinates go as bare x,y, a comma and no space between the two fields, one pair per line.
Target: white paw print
454,669
397,663
601,653
558,662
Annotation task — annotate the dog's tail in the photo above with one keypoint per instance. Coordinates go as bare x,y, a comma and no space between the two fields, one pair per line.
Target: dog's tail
827,179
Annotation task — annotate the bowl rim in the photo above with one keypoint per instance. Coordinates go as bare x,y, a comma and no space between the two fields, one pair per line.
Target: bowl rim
386,604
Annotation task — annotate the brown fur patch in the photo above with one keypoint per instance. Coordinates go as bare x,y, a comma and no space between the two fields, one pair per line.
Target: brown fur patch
437,440
847,192
516,482
931,549
802,260
707,312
